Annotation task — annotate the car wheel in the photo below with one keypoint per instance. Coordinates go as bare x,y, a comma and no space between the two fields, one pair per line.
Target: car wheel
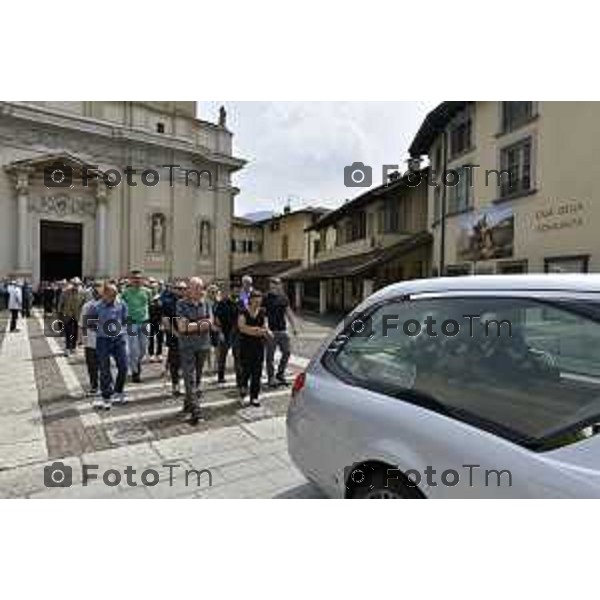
396,489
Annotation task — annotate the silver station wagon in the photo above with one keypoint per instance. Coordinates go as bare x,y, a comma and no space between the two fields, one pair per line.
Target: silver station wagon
467,387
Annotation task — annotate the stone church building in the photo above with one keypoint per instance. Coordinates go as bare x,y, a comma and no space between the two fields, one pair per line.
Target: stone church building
99,188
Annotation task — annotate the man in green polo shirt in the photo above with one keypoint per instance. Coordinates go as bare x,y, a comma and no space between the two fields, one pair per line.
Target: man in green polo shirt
137,297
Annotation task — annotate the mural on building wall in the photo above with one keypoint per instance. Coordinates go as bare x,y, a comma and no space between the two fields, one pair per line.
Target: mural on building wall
486,234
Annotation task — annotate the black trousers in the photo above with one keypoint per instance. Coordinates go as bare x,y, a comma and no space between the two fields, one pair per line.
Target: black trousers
252,355
173,358
91,362
14,315
225,344
155,342
71,330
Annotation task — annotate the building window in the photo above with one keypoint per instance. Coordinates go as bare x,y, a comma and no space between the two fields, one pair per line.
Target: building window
512,267
438,160
233,246
274,225
204,241
250,246
459,270
390,217
284,247
316,247
437,204
160,128
515,114
460,196
356,227
460,134
567,264
516,161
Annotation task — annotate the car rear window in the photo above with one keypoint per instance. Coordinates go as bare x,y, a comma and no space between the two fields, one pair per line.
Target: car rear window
528,370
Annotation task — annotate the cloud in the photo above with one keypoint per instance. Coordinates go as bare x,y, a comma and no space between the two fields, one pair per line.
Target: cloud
298,150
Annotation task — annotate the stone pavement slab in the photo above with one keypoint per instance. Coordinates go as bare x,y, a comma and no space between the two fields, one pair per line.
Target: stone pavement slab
22,433
268,429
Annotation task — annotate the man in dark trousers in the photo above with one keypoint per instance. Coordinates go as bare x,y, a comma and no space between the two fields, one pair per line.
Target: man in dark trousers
109,318
193,325
225,312
277,307
168,303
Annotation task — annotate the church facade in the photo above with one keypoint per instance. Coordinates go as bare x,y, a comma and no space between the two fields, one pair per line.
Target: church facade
95,189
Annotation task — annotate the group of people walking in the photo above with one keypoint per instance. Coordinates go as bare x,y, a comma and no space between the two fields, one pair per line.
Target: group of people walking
118,322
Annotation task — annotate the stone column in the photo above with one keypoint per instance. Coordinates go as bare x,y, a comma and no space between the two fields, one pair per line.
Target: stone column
23,227
224,195
367,288
101,231
322,296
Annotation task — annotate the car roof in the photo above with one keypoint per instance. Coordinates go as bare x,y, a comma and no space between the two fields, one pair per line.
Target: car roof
490,283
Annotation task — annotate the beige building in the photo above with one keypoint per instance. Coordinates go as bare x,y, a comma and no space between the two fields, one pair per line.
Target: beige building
283,241
62,214
246,243
541,217
377,238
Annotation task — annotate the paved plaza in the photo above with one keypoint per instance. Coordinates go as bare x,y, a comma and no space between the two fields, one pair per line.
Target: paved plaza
45,417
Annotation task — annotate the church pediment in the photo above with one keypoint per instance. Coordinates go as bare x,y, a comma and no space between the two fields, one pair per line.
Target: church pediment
36,160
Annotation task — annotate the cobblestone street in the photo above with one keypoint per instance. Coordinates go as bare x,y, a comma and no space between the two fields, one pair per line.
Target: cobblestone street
45,417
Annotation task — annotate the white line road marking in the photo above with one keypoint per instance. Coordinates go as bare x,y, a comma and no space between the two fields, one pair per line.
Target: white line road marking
67,372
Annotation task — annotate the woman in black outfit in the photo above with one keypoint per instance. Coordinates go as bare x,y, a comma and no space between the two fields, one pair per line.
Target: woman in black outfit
253,331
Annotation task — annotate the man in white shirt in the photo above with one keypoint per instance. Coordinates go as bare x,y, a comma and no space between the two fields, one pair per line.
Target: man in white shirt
15,303
87,331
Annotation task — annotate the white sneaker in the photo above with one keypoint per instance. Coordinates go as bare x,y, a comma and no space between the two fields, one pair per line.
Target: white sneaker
101,403
98,403
121,399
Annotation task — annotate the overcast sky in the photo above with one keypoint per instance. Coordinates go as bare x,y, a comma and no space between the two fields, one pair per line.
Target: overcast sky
298,150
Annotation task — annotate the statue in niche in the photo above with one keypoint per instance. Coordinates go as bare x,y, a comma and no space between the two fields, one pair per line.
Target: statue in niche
158,233
204,241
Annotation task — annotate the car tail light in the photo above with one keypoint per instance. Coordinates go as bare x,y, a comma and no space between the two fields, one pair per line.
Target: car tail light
298,383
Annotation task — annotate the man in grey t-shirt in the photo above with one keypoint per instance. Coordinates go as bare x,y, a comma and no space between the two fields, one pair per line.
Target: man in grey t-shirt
193,325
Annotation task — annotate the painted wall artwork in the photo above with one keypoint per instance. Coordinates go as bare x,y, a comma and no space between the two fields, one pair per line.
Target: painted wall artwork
486,234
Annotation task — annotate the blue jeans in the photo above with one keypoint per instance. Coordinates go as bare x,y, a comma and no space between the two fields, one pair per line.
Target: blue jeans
137,345
117,348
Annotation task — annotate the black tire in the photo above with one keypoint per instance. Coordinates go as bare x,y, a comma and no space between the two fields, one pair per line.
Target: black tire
384,486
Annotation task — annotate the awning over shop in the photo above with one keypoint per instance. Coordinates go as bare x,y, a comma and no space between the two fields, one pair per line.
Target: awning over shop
274,268
360,264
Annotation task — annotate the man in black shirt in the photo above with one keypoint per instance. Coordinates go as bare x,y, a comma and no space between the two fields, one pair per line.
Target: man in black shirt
225,312
278,311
